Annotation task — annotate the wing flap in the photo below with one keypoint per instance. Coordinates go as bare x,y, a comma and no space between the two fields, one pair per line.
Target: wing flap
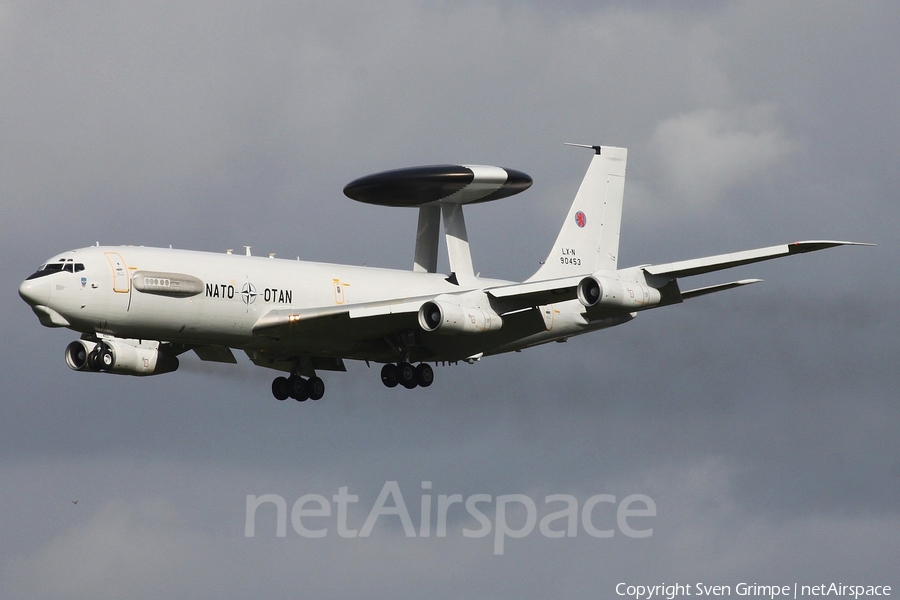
314,363
220,354
379,318
510,298
283,317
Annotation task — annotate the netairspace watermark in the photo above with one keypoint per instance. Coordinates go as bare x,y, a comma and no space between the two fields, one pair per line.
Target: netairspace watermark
600,515
751,590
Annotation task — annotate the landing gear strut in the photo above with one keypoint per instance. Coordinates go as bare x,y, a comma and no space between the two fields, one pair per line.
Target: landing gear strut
407,375
93,359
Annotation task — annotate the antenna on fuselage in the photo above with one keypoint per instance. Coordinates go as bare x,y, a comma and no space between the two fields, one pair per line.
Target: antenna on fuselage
247,248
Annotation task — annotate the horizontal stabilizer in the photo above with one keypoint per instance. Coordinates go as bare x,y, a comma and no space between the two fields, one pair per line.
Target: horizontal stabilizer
708,264
717,288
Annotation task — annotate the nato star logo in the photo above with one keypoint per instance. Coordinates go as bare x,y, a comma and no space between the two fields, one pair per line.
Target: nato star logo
248,293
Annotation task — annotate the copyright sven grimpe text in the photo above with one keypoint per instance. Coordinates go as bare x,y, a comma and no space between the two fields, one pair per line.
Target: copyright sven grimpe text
750,590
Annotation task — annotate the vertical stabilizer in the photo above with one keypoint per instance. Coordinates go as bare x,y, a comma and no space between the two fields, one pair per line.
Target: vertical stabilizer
589,238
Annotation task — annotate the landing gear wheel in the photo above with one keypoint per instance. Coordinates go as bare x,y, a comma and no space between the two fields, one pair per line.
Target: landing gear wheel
315,387
406,373
424,375
93,359
297,388
389,375
106,359
281,388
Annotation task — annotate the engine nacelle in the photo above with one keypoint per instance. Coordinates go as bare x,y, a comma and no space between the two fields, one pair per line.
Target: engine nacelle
125,357
442,317
77,354
611,293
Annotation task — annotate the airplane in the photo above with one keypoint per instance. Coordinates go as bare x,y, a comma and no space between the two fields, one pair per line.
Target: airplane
138,308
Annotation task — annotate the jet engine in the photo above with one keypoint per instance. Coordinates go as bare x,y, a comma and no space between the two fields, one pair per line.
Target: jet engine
442,317
125,357
603,292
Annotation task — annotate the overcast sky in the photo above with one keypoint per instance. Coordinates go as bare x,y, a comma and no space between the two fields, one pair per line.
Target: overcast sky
762,422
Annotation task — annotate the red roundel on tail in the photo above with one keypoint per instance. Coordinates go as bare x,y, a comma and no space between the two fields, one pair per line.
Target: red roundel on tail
580,219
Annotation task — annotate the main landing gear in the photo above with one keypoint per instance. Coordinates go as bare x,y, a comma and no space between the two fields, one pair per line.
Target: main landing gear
407,375
298,388
301,389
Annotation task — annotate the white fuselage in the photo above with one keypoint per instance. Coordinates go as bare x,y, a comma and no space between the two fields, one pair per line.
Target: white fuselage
121,291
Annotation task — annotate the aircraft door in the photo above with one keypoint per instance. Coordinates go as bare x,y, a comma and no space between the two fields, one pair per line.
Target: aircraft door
338,291
120,272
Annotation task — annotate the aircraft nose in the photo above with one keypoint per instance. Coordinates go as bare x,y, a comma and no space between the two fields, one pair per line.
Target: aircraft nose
34,291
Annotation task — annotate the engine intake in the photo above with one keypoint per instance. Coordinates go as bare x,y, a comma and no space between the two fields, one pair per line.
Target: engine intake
77,354
442,317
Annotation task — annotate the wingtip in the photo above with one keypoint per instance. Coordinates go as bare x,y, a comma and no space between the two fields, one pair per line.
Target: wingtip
814,245
833,243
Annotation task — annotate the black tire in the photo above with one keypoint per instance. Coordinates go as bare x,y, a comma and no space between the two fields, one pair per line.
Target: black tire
93,359
389,376
297,388
406,373
106,359
424,375
315,387
280,388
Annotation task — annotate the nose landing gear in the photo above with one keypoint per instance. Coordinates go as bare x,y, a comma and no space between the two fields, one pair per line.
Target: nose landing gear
100,358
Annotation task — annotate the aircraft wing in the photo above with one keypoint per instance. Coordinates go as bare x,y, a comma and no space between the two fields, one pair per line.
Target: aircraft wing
509,298
375,319
708,264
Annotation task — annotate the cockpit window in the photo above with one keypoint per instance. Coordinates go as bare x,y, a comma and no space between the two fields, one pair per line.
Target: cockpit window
56,267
